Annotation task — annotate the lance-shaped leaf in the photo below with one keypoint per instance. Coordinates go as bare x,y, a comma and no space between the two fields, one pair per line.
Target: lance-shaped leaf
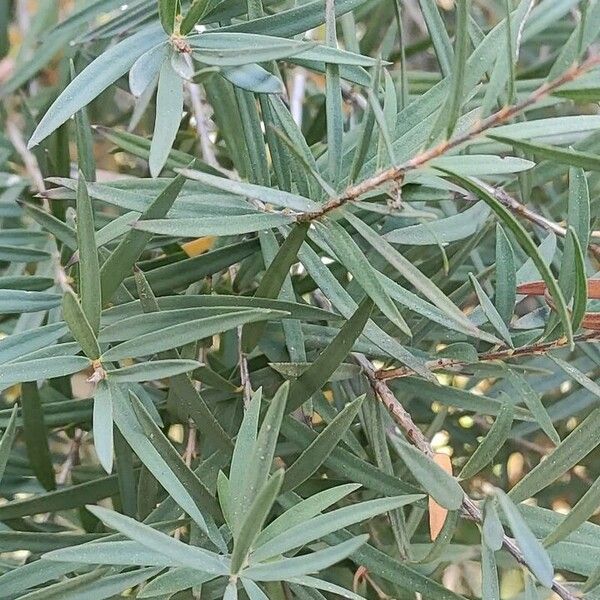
79,325
581,512
94,79
490,311
321,447
258,462
491,443
121,260
36,435
303,565
41,368
351,256
25,342
182,554
18,301
441,486
202,226
7,440
273,279
254,519
506,280
89,268
305,510
149,371
535,555
162,460
580,442
168,11
184,333
573,158
102,425
328,361
527,244
169,108
323,525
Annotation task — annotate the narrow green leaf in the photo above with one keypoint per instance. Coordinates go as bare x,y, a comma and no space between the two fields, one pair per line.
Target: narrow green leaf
203,226
41,368
174,580
451,110
168,10
183,554
157,453
153,370
258,463
328,361
272,281
492,529
490,311
580,513
580,442
578,209
351,256
121,260
194,14
333,102
534,553
102,425
79,325
443,231
573,158
577,375
317,452
506,281
533,401
94,79
528,245
491,443
322,525
254,520
184,333
303,565
18,301
490,587
580,292
244,447
439,35
89,268
20,344
231,592
7,440
441,486
405,268
36,435
253,78
305,510
169,108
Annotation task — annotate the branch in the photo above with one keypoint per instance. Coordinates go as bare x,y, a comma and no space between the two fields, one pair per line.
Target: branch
403,419
523,211
451,364
504,114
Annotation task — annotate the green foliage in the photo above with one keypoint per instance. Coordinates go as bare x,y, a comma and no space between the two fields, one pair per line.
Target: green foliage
308,256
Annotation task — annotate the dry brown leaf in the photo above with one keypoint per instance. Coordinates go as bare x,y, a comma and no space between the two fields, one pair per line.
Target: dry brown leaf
437,513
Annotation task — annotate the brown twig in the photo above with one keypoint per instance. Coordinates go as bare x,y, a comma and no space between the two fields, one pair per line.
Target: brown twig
504,354
396,173
526,213
405,422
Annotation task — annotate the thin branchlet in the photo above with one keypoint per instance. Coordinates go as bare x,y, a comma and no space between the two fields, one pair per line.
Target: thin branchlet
397,172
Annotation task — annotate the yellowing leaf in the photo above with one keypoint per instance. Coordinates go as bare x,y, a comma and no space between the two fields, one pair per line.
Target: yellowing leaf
437,513
199,245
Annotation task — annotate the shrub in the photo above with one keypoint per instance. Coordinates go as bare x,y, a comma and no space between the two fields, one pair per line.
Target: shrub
307,312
